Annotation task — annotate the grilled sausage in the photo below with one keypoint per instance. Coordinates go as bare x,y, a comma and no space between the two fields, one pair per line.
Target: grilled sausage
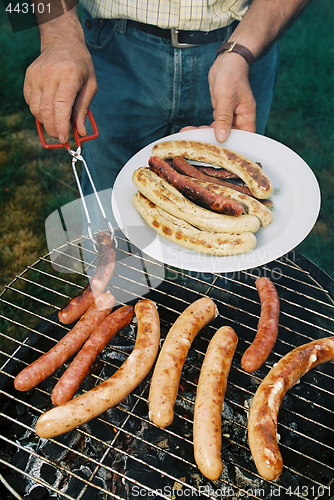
79,304
251,205
262,422
71,379
267,328
210,394
184,167
167,372
197,193
252,175
180,232
109,393
44,366
167,197
217,173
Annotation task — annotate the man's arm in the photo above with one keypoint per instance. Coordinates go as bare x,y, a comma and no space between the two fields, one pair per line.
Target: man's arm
232,98
61,82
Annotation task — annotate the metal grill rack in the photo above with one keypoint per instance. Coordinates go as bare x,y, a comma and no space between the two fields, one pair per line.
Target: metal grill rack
121,454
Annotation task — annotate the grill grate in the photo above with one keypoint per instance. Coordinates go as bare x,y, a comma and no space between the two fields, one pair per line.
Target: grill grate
121,454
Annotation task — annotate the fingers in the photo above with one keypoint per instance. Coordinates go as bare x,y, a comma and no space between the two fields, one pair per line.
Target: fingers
60,85
81,105
191,127
231,95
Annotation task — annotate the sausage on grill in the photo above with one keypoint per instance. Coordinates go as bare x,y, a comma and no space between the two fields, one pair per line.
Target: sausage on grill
44,366
71,379
267,328
210,394
79,304
167,371
262,421
83,408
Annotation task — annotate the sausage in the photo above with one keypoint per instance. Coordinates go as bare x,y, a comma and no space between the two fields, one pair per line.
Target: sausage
217,173
251,205
71,379
252,175
267,328
109,393
181,233
167,372
199,194
209,400
79,304
167,197
262,422
184,167
44,366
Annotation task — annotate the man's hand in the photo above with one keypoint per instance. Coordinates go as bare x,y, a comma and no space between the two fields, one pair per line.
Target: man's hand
60,84
232,99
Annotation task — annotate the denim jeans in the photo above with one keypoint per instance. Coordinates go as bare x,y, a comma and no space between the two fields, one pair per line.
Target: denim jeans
147,89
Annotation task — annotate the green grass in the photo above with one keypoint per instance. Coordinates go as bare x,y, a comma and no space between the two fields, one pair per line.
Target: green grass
302,115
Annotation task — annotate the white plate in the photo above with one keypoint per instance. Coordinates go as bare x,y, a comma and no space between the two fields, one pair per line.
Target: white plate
296,201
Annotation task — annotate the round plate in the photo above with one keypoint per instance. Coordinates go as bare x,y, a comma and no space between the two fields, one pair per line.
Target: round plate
296,200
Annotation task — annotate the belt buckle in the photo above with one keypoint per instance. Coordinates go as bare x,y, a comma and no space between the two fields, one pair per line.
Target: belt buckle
175,40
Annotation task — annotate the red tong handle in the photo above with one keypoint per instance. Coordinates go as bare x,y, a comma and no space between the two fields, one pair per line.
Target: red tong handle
78,139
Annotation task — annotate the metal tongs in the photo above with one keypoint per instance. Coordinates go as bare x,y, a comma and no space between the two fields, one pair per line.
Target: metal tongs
76,155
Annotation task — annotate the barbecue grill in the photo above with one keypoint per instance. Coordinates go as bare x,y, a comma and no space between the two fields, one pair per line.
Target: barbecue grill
121,454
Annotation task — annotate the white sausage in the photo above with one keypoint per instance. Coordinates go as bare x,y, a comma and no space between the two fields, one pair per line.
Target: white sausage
210,394
106,395
167,372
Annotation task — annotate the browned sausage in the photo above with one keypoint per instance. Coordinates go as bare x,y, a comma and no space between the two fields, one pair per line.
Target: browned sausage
109,393
267,328
184,167
199,194
71,379
262,421
210,395
217,173
79,304
44,366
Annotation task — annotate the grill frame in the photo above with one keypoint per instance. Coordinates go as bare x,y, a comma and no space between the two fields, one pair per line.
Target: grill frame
302,282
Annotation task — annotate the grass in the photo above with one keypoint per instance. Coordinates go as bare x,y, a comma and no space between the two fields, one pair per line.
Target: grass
34,182
302,115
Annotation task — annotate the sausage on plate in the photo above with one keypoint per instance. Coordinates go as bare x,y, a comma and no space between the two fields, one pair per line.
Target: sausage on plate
252,175
199,194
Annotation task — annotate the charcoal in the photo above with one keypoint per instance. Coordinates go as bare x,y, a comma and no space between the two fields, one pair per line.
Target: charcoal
54,449
99,430
48,473
39,493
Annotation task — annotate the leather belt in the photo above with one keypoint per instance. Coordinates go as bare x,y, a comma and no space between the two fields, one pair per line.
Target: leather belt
181,39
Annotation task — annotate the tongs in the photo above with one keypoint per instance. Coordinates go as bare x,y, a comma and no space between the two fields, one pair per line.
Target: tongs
76,155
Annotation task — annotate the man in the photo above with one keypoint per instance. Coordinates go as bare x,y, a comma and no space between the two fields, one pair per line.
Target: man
149,83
